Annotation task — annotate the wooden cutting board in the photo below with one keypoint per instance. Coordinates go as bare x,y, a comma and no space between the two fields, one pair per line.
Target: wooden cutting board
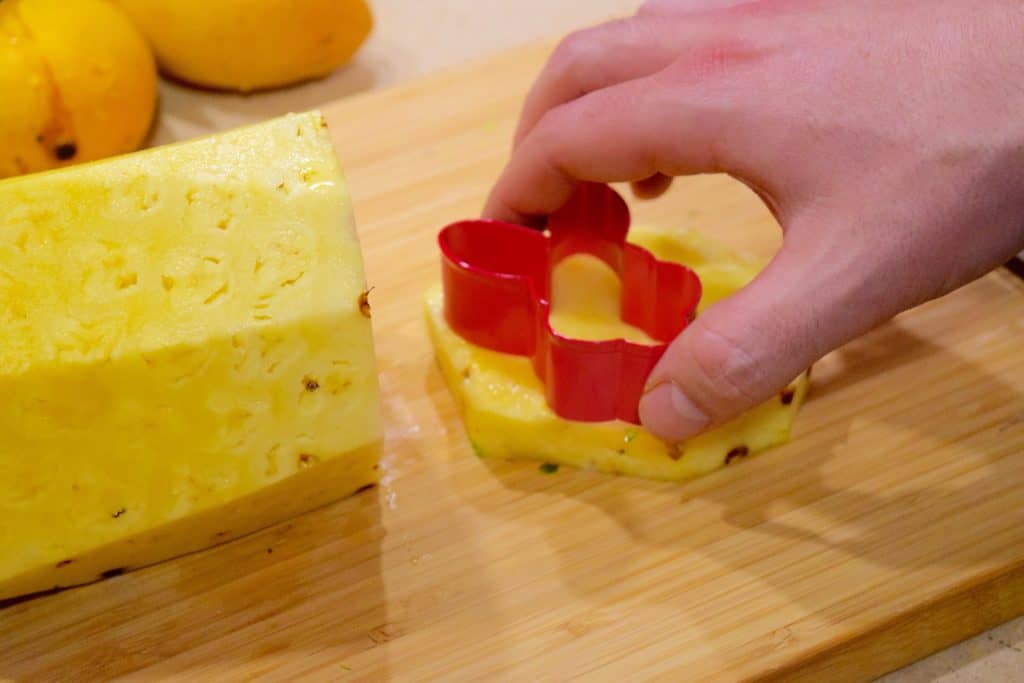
891,526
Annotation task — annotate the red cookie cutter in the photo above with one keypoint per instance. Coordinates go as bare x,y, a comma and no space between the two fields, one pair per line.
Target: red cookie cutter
497,287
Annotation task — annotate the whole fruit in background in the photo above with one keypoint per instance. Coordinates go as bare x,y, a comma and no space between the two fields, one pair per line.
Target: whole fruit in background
251,44
77,82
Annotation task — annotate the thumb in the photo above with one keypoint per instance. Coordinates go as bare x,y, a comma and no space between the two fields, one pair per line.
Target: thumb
745,349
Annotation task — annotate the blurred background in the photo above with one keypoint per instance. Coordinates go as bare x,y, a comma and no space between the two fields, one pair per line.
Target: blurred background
82,80
409,39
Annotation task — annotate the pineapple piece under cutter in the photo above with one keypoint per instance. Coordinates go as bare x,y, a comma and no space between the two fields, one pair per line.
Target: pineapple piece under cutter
497,295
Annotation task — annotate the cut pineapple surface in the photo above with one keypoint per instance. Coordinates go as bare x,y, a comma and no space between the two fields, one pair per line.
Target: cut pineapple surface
185,352
502,401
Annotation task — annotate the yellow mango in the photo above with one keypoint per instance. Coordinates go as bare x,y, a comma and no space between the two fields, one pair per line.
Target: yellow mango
185,352
77,83
251,44
502,401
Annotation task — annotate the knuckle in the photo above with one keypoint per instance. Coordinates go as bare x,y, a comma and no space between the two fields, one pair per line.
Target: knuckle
670,7
711,106
572,53
652,7
715,58
581,53
728,375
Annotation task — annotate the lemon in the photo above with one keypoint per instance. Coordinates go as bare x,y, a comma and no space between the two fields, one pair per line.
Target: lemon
78,83
251,44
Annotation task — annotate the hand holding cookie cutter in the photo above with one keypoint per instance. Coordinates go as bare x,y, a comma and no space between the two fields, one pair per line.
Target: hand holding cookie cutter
497,286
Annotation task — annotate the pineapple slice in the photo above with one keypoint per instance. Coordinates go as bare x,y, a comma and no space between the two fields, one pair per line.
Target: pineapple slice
185,352
502,400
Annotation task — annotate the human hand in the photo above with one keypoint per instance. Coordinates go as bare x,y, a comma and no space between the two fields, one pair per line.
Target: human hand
886,136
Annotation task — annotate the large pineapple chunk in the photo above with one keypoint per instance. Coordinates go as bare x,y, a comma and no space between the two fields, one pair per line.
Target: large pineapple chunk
185,352
503,404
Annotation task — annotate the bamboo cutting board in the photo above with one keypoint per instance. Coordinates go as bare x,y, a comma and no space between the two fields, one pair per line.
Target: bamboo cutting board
891,526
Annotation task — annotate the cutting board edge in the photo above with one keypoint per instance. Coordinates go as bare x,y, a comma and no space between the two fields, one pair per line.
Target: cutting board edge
914,635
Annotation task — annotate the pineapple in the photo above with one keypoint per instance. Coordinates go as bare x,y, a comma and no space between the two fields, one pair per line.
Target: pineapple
502,400
185,352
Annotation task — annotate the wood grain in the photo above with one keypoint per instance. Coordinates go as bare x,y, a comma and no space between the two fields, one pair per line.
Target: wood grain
891,526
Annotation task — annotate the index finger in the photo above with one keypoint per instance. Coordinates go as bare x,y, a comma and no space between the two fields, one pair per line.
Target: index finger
597,58
627,132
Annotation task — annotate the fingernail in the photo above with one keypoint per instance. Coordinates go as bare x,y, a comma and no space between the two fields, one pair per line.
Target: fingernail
668,414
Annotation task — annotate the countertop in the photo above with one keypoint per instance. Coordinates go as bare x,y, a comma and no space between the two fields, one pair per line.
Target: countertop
413,39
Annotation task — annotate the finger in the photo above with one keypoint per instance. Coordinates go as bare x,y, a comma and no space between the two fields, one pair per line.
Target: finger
597,58
747,348
652,187
628,132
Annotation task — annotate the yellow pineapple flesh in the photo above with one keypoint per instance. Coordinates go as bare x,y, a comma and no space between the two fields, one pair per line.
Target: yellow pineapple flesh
185,352
502,401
